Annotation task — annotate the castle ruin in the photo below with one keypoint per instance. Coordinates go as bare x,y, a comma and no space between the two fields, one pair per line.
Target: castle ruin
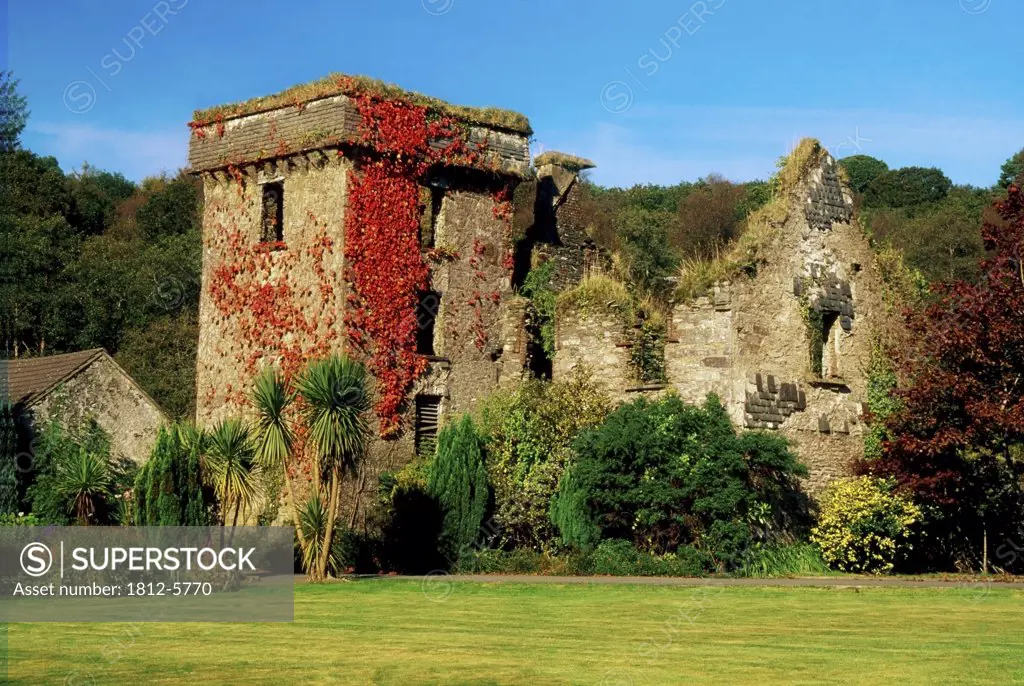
289,205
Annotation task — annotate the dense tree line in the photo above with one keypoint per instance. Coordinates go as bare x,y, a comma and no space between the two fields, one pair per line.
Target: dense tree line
653,229
90,259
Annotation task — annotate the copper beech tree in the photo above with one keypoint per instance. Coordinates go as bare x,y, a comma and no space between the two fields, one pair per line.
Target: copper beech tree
957,435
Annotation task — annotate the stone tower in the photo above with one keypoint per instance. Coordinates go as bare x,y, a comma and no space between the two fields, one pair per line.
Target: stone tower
282,177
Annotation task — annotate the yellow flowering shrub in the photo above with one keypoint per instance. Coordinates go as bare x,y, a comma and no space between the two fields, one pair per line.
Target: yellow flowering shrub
862,524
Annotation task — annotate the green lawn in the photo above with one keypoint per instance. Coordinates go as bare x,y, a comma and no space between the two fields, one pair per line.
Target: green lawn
393,632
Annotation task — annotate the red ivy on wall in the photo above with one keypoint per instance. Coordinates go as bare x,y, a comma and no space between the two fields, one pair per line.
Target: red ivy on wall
254,286
385,269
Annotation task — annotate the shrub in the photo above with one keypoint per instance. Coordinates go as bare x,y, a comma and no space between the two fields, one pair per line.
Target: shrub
457,478
19,519
168,489
8,459
537,287
621,558
787,559
60,455
863,526
529,433
611,558
666,474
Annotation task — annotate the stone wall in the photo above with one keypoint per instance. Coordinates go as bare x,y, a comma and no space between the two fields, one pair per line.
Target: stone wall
749,341
476,339
700,352
314,204
104,392
560,230
597,341
322,123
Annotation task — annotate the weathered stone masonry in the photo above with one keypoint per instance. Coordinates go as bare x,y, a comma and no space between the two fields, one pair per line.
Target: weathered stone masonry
786,350
751,341
308,150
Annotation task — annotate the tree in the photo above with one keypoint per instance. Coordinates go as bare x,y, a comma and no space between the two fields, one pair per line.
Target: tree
907,187
708,218
84,481
169,487
862,170
529,433
336,405
1012,171
942,242
8,459
643,235
457,477
161,357
96,195
13,112
172,207
275,441
957,437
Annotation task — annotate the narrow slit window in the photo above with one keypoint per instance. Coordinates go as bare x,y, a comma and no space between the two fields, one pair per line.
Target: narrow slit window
432,198
428,415
426,318
830,345
273,212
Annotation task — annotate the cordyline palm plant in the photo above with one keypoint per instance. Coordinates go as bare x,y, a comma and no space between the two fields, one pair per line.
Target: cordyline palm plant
336,404
271,397
84,480
231,465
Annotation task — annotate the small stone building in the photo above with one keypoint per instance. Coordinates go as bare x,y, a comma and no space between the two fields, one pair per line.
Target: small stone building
76,387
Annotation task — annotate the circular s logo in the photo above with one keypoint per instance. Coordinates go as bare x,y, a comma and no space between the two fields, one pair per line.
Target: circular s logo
36,559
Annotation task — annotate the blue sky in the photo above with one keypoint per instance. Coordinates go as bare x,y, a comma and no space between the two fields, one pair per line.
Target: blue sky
651,90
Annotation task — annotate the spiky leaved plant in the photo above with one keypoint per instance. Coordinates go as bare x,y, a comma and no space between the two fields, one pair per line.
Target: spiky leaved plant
335,413
231,465
84,479
275,440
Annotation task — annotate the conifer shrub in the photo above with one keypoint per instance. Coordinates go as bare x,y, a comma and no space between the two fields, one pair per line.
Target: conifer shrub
457,478
8,460
168,489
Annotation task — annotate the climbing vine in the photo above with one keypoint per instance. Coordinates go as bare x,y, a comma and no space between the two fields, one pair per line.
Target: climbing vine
280,320
647,355
386,271
276,320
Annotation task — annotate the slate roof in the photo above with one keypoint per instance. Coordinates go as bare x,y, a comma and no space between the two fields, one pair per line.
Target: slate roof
28,380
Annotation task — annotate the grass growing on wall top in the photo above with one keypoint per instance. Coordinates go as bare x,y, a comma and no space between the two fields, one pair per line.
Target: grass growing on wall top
342,84
697,275
599,293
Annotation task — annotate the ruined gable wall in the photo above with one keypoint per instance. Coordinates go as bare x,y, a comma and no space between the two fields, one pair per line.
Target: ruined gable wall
818,261
748,340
